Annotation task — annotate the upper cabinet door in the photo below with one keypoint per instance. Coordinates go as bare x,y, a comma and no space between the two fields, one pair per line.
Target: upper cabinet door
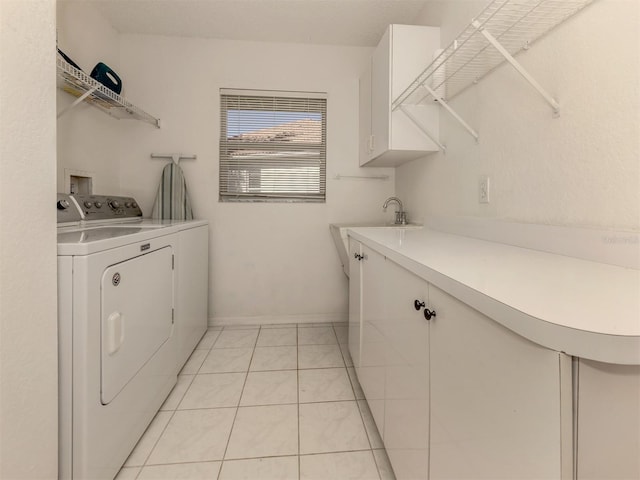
364,127
496,409
381,95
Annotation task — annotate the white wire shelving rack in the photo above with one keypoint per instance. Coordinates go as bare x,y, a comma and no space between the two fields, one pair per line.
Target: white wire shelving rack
86,89
501,31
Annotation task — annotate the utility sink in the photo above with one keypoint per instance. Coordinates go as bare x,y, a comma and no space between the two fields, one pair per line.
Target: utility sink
339,234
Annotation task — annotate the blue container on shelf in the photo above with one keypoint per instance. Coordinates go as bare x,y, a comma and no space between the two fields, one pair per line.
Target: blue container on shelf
110,79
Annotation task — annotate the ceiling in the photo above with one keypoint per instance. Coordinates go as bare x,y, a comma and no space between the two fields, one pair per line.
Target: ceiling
328,22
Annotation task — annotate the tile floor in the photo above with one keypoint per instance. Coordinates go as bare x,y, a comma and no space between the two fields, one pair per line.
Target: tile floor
277,402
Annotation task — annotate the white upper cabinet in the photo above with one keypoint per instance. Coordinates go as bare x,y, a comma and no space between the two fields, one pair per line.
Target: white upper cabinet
392,137
364,126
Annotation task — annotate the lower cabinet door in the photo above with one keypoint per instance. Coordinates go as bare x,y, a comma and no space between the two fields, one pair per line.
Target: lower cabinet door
406,414
608,421
355,302
497,400
373,351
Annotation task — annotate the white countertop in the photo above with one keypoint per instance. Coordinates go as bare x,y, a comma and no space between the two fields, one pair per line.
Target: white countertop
583,308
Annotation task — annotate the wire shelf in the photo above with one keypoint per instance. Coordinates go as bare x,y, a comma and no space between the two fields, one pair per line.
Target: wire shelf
515,24
80,85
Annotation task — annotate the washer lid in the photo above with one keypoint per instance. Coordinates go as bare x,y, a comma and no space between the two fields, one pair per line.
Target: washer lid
89,240
88,235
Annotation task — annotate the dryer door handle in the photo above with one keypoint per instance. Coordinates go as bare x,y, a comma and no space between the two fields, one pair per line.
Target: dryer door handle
115,332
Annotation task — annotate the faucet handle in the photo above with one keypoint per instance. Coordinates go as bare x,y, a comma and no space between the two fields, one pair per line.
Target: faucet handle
401,218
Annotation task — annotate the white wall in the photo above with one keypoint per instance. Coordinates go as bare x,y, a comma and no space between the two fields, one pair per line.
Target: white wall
581,169
88,140
28,326
267,260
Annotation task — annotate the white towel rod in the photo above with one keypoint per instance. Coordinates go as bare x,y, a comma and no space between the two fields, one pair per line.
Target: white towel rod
176,157
363,177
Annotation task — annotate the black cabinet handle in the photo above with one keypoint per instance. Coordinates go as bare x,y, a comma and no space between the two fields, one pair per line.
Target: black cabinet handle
418,304
357,256
428,314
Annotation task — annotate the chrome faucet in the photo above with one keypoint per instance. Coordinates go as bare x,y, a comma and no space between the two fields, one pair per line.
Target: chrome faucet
401,215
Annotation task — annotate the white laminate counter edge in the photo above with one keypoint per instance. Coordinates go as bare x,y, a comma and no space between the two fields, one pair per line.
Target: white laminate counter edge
591,343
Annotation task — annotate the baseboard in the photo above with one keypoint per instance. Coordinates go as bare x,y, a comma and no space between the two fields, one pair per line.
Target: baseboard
279,319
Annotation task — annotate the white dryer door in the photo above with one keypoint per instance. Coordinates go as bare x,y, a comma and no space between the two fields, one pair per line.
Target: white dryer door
137,311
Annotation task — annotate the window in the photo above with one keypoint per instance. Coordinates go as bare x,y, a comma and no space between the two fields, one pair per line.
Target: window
272,146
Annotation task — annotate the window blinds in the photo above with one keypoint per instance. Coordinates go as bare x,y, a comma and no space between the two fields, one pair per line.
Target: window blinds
272,146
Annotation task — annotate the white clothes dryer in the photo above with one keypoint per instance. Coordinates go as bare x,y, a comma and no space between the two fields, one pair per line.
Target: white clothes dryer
118,347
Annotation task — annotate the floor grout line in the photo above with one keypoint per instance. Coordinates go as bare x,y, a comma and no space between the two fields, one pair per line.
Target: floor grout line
298,395
233,423
343,367
155,444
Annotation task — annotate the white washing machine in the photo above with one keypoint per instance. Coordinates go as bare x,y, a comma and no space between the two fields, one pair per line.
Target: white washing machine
118,341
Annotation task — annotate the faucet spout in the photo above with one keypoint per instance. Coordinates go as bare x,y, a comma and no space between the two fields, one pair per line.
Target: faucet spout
401,215
390,200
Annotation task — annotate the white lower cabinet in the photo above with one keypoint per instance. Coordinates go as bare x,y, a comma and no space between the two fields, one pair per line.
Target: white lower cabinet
498,401
457,396
373,355
608,421
394,357
355,302
406,397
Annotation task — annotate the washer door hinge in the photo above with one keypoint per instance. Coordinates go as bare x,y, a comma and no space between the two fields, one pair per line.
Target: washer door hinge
172,315
173,262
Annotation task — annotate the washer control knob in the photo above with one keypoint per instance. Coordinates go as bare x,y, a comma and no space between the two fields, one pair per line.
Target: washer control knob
134,205
127,204
88,204
113,204
63,204
98,204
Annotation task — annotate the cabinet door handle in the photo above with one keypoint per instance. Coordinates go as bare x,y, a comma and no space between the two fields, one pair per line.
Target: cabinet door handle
418,304
429,313
358,256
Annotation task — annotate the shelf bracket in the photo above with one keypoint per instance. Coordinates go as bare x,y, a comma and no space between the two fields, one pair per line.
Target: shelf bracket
76,102
453,113
417,123
519,68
